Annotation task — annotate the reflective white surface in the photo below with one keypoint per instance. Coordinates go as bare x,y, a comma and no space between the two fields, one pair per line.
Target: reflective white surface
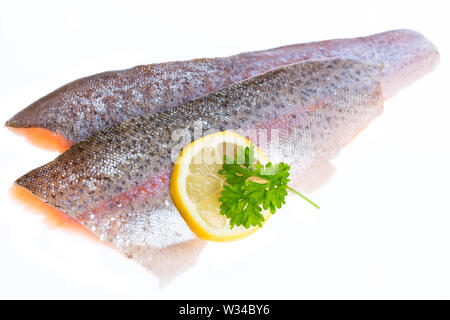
383,230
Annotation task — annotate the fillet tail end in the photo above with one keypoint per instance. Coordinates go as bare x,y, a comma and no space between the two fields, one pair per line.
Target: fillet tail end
408,56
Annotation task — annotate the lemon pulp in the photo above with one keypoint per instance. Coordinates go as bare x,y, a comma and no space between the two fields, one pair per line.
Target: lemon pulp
196,185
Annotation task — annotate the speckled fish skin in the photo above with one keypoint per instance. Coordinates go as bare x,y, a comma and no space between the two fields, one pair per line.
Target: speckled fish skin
88,105
116,182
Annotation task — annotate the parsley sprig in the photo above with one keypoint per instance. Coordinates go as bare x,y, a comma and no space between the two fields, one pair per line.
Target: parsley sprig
251,187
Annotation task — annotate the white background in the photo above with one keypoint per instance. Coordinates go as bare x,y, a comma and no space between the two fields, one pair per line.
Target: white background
384,227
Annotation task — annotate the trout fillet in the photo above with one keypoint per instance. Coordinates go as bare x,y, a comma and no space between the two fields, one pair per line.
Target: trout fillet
116,182
88,105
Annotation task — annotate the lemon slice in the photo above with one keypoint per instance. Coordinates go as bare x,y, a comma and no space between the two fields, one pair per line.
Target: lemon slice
196,185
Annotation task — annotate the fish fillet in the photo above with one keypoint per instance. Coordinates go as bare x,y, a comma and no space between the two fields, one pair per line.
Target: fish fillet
116,182
88,105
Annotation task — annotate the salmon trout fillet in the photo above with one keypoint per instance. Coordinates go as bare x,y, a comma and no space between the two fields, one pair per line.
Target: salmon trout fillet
88,105
116,182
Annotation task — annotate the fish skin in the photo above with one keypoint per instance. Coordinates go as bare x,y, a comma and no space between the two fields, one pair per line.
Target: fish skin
88,105
116,182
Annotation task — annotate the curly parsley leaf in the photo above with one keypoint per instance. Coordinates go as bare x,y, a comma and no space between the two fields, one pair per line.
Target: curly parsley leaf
251,187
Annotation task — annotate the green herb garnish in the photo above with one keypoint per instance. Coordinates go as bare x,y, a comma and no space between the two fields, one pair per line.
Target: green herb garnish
251,187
